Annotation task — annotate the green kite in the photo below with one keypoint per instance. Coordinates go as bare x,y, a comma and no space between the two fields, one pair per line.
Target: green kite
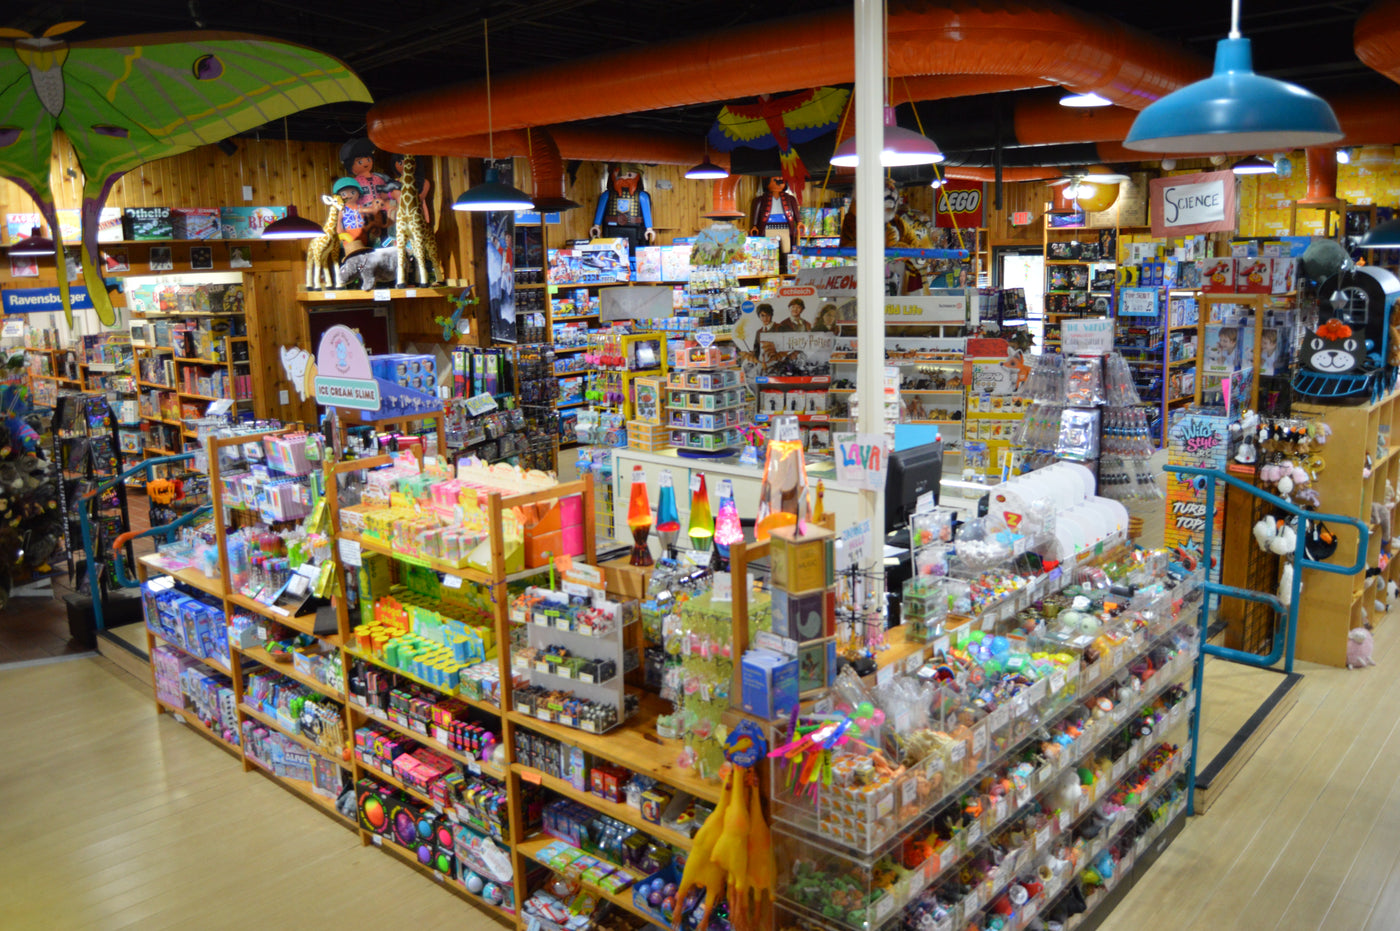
126,101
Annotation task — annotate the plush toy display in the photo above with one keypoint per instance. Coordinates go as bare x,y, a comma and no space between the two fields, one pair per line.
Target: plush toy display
1359,646
369,267
624,208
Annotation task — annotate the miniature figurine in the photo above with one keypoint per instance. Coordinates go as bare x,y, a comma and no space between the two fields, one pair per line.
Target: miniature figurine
775,214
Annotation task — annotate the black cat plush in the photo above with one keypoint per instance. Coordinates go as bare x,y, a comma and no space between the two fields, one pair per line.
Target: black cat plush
1333,349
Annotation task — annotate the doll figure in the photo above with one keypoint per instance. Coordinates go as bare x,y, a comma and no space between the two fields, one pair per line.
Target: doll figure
775,214
624,208
379,199
350,225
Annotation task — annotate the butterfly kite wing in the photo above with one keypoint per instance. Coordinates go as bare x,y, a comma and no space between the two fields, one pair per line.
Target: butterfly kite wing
130,100
26,134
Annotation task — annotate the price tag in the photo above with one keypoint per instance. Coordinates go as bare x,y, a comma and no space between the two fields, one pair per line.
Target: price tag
381,294
437,875
957,752
1057,683
979,739
932,765
884,675
474,768
908,792
974,833
1042,839
1072,671
349,552
912,665
694,482
884,907
1119,769
376,840
723,589
999,809
885,805
972,902
785,430
328,295
452,581
1037,691
1000,718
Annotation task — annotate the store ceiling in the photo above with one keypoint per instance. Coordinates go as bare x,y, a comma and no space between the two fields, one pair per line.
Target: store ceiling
410,45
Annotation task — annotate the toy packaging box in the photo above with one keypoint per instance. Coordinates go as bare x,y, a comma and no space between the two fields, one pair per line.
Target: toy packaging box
1217,275
196,223
247,222
146,223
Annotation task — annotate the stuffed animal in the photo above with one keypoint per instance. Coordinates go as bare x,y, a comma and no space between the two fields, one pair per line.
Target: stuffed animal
1380,516
368,267
1359,646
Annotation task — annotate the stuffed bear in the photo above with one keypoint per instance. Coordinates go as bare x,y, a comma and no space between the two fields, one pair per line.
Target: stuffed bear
1359,645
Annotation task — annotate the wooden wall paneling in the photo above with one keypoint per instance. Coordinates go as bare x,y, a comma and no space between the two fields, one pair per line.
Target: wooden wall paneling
275,320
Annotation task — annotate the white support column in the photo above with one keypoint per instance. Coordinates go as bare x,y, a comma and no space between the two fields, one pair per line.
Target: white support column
870,238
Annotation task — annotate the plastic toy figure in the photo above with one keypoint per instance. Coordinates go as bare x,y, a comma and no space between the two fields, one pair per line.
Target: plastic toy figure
624,209
776,215
379,198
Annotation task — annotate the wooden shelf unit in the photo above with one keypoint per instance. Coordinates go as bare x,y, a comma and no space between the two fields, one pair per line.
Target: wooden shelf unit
633,744
1332,604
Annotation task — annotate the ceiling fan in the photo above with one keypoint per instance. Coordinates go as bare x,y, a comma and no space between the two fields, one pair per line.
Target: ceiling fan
1084,183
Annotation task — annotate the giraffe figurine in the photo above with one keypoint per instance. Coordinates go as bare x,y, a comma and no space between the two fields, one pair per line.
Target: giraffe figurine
411,233
323,252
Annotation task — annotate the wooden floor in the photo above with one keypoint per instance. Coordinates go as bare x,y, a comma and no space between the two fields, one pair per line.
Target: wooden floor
117,818
1308,834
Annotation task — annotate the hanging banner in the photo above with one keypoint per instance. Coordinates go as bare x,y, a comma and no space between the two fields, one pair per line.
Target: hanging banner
1183,205
959,201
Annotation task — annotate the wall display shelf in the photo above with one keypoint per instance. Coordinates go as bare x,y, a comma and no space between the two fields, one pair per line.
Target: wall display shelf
1080,275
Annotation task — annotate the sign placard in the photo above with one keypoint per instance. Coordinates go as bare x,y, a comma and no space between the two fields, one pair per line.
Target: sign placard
947,309
862,459
343,374
1183,205
1137,302
1094,334
43,300
959,203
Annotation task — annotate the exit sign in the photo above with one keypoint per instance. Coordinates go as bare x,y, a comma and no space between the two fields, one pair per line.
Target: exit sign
1021,218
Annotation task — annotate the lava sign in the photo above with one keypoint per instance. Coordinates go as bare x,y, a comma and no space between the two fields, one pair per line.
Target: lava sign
960,201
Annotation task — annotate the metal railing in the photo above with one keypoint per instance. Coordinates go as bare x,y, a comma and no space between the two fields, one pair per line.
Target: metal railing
1286,634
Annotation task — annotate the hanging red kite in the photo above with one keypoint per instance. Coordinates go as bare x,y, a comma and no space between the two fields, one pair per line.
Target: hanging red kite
781,123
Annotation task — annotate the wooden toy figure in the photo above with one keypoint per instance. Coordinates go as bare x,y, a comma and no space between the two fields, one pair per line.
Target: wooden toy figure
775,214
624,208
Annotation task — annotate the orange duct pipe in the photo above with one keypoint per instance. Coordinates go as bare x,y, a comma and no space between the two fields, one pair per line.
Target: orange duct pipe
1377,38
1007,174
1040,41
722,195
547,172
1322,177
590,145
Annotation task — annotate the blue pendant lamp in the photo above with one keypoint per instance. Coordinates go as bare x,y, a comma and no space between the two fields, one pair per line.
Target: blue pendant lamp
492,194
1382,236
1234,110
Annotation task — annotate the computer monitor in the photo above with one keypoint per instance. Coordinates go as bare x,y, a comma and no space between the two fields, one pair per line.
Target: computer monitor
912,472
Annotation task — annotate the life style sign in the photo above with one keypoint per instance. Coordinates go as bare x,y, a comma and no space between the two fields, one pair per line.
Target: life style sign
1183,205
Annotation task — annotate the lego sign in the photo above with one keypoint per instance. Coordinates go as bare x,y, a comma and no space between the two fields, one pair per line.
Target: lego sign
959,203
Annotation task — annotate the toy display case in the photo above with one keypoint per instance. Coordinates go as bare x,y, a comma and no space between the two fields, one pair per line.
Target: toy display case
707,410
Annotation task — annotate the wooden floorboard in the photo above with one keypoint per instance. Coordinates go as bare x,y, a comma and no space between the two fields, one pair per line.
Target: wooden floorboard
1305,837
119,818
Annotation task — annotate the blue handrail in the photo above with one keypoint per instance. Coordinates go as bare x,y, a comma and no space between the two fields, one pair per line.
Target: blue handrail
84,522
1284,637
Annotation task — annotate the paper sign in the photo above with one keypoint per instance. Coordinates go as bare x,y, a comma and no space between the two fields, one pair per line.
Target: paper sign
218,408
786,430
863,458
1137,302
452,581
704,339
723,590
381,294
13,329
1183,205
479,404
853,546
349,552
1094,335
